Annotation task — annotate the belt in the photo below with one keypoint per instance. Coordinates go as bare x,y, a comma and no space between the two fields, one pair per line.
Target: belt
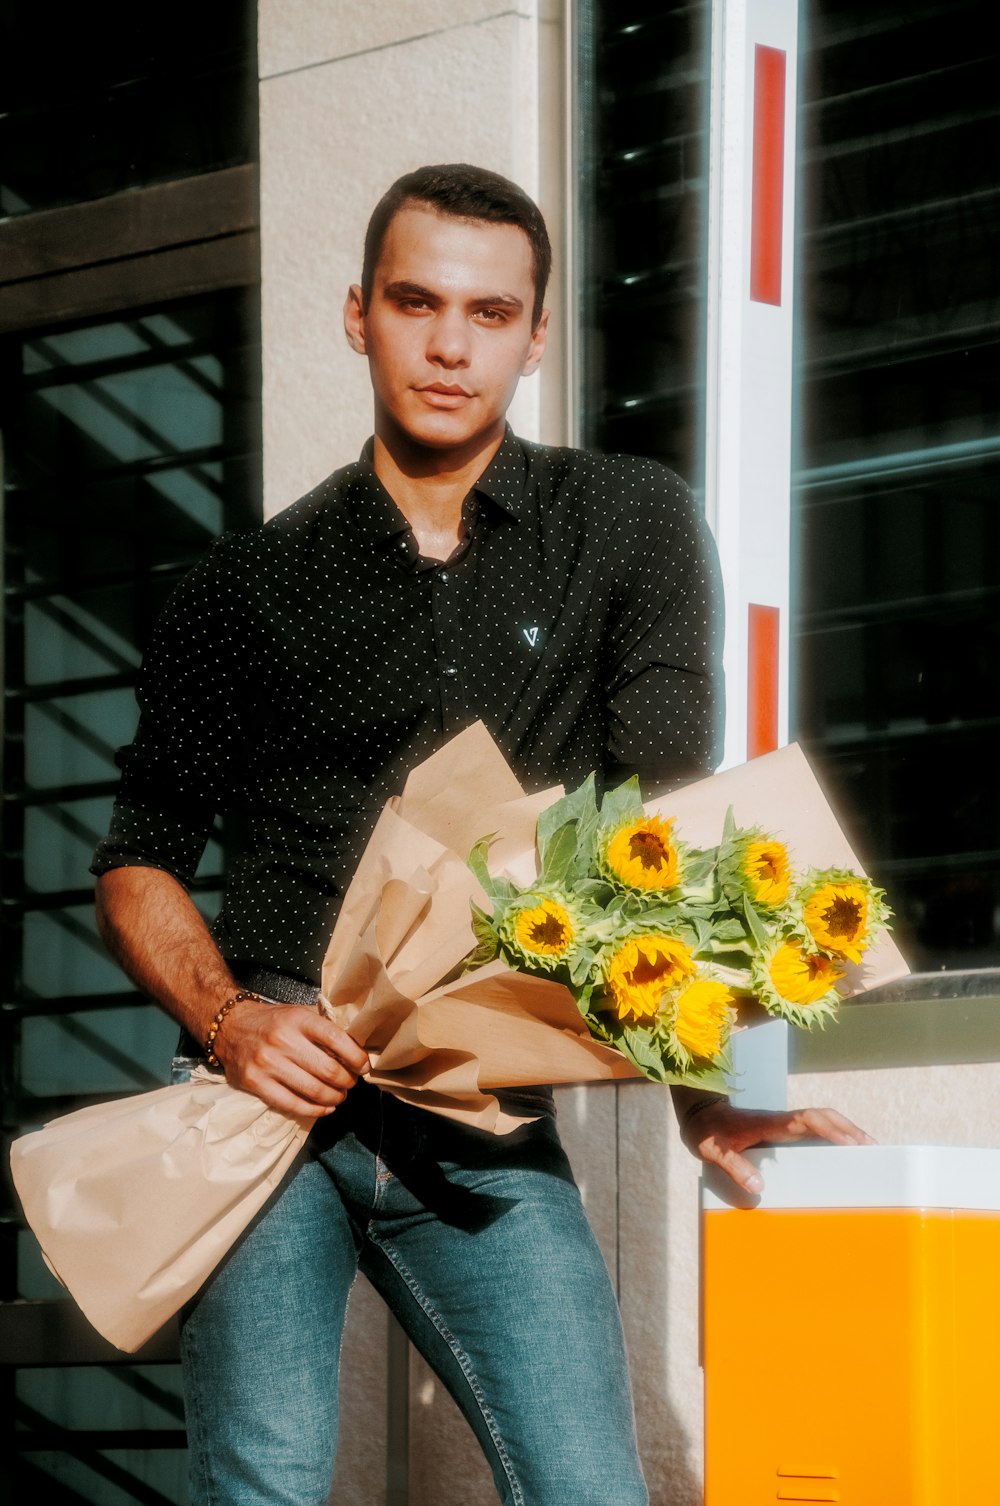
282,988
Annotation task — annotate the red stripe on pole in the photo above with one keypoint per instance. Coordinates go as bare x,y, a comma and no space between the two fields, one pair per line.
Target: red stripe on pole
767,202
762,680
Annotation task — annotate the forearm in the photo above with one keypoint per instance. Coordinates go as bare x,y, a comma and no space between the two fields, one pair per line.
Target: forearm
288,1056
689,1103
158,938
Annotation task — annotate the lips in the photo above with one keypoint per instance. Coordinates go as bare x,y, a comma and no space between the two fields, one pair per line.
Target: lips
444,394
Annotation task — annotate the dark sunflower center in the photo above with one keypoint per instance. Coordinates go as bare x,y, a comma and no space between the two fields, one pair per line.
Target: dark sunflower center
548,932
843,916
648,970
646,848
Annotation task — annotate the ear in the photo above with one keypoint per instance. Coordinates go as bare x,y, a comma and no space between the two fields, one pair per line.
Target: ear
536,349
354,319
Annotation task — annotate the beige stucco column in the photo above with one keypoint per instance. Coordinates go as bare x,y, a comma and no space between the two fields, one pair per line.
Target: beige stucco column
351,96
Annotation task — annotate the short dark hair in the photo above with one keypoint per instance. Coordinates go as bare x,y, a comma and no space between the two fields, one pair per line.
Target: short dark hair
467,193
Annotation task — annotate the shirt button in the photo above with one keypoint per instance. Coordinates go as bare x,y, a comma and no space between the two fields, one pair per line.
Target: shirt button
443,577
450,669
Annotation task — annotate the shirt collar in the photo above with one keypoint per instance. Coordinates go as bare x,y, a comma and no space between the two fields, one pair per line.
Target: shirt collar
370,505
504,480
504,483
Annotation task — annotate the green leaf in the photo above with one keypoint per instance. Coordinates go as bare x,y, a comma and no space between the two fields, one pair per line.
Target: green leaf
703,931
756,926
573,807
622,804
729,828
477,861
644,1053
698,869
709,1076
729,930
579,968
560,850
658,915
487,939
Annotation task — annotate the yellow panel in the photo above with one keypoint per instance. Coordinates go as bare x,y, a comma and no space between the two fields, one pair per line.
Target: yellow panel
851,1356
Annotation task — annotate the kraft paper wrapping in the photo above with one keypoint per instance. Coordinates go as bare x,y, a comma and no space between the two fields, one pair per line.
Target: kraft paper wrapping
780,793
438,1037
135,1203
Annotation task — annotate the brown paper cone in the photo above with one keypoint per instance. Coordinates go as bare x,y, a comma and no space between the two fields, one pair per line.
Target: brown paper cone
780,793
134,1203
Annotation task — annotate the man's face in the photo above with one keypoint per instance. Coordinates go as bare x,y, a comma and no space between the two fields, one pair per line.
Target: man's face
447,330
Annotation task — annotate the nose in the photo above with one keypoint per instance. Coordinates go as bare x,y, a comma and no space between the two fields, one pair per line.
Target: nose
448,342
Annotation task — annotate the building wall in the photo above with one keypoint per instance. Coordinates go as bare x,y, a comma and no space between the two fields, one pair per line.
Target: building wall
351,97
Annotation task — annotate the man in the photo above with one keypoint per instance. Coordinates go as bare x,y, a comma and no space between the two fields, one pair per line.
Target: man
298,672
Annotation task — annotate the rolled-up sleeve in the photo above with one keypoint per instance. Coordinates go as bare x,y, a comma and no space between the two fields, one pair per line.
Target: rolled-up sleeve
178,771
664,684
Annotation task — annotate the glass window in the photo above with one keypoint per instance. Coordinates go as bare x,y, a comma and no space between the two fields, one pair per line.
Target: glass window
130,444
95,99
644,125
898,465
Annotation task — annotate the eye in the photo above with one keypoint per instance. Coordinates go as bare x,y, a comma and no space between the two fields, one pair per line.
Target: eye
491,316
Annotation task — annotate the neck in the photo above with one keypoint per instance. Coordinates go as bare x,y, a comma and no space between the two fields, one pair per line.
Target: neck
429,487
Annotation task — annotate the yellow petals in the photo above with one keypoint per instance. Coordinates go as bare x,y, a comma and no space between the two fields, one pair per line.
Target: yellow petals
642,856
643,970
545,929
836,917
768,872
801,977
703,1017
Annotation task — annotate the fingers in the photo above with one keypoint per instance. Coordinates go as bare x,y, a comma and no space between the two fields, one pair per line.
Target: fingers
729,1160
829,1124
720,1132
336,1042
290,1058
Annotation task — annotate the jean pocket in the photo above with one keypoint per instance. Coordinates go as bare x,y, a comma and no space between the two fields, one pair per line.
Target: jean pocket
182,1066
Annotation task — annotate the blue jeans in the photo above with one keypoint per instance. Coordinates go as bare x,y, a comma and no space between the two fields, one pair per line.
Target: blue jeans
480,1246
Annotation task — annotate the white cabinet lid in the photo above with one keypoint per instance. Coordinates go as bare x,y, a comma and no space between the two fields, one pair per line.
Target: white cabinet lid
866,1176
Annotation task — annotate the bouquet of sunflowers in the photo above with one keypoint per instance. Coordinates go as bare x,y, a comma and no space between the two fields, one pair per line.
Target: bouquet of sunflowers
657,940
578,944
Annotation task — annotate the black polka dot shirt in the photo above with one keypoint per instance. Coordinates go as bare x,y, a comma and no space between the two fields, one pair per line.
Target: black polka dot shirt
301,668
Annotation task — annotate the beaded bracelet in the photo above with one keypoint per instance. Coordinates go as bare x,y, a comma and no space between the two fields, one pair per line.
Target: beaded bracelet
216,1025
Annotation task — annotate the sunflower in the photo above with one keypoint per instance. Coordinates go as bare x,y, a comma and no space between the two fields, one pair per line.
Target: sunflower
758,866
841,913
768,873
643,970
704,1017
797,984
545,929
640,854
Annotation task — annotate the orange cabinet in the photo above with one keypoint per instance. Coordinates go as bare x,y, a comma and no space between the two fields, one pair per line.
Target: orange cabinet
851,1330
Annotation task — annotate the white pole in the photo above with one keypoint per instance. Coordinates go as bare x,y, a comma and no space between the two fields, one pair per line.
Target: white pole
749,395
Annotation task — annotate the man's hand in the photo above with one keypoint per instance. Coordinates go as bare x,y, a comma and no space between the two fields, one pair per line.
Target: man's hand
290,1056
718,1133
287,1054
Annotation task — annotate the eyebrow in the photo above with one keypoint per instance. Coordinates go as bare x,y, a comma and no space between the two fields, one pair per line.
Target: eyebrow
403,289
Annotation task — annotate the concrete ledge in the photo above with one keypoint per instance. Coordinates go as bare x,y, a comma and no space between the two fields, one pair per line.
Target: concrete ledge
922,1023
